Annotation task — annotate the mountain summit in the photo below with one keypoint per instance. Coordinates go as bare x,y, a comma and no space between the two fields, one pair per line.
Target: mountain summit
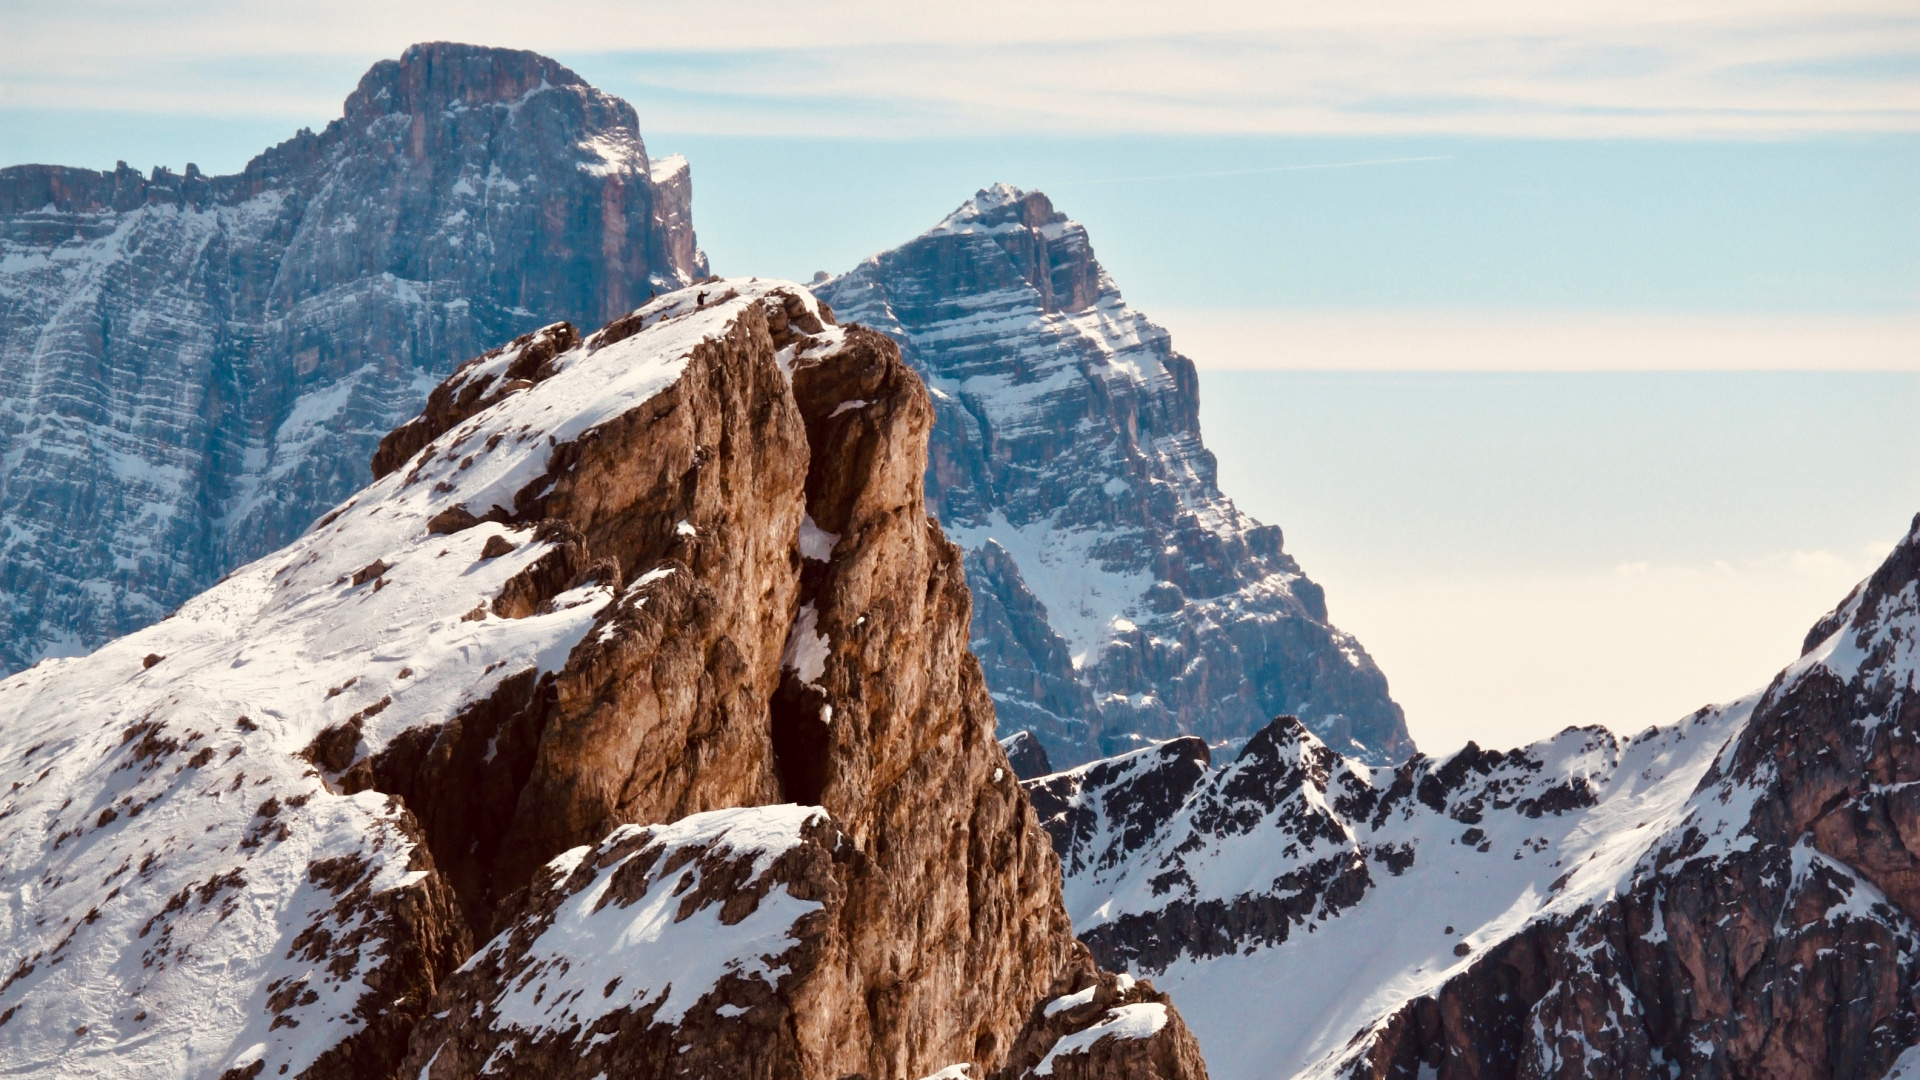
195,367
1118,595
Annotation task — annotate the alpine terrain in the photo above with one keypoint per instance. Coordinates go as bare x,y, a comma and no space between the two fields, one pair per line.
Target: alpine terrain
625,726
195,367
1119,597
1733,895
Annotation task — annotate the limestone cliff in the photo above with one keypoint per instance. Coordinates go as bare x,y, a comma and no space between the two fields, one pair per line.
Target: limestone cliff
624,725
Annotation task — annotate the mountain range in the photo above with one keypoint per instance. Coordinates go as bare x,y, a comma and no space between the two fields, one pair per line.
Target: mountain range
858,679
198,367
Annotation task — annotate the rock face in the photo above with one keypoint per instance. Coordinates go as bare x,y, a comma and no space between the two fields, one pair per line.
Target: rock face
196,367
624,724
1732,895
1118,596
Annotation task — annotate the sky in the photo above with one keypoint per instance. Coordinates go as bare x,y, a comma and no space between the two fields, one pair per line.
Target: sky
1576,347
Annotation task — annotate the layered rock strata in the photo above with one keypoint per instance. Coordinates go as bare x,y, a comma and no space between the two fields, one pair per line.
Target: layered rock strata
1119,597
195,367
1731,895
624,724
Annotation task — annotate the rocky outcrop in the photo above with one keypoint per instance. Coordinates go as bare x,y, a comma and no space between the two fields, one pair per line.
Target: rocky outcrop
641,669
1731,895
1119,597
197,366
1028,757
1102,1025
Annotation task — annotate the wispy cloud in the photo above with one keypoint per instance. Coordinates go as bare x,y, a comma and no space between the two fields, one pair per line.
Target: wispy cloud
1269,340
1636,67
1255,172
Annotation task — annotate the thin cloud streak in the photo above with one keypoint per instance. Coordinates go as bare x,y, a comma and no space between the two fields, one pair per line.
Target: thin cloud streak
1493,67
1255,172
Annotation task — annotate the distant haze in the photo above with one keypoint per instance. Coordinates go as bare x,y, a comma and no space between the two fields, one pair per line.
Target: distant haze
1525,551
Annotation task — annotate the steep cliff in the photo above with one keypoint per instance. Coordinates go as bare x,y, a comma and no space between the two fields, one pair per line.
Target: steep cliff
624,725
1730,895
193,368
1118,595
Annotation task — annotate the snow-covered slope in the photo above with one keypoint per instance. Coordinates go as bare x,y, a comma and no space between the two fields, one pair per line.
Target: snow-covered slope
185,892
193,368
1118,595
1528,913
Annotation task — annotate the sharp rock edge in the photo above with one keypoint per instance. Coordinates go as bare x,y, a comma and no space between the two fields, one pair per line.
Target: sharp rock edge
1119,597
1733,894
502,769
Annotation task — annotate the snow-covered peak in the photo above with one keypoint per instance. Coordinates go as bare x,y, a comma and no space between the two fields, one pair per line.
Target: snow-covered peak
1105,563
1752,828
1004,208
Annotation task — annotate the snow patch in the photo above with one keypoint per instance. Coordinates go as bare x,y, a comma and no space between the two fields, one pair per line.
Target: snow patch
807,649
816,543
1139,1021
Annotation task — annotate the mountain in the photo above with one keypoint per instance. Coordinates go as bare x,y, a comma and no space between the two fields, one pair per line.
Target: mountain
624,726
1735,894
193,368
1118,595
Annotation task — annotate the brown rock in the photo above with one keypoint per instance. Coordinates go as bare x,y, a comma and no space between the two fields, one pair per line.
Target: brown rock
734,673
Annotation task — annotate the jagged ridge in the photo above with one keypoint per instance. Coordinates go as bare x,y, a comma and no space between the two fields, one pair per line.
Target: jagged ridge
1733,894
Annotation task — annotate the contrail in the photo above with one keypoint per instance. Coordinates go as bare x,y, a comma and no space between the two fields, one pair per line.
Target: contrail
1252,172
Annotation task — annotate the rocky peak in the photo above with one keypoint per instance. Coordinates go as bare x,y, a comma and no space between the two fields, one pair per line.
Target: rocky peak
1028,757
198,366
624,723
1050,251
439,75
1120,597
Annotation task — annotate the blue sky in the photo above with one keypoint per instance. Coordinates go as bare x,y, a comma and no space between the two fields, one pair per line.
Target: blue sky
1375,185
